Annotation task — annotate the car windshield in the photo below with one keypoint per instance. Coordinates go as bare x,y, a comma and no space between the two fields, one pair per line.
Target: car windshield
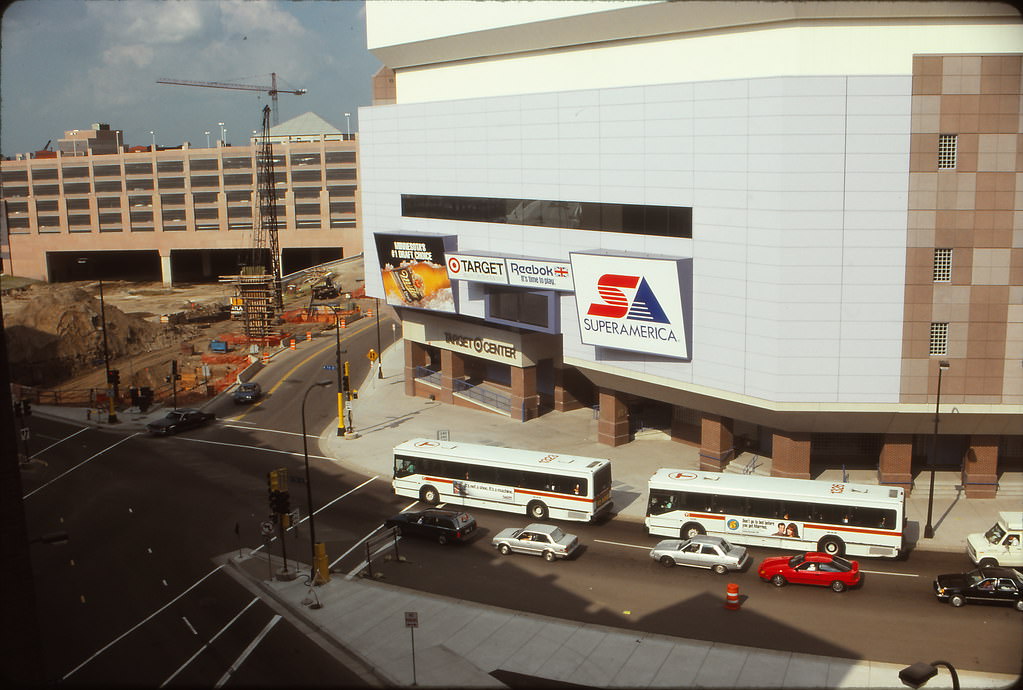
973,577
841,563
995,534
557,534
725,546
795,560
175,416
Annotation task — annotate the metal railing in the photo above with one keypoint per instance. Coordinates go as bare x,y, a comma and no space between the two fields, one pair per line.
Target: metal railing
428,375
752,465
484,395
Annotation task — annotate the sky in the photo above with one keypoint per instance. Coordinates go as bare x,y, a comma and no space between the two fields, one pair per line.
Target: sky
66,64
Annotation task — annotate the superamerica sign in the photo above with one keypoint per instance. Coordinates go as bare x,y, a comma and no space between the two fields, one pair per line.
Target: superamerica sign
631,303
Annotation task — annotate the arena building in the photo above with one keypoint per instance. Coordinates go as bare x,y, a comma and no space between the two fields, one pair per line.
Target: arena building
784,227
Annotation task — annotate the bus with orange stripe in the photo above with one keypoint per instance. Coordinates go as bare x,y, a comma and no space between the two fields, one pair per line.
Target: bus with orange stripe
536,483
800,514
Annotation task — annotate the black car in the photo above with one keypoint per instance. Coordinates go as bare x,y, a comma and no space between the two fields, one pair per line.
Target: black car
994,584
247,392
179,420
433,523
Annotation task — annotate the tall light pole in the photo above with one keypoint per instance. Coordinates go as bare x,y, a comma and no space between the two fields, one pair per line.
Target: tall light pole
340,385
223,132
207,138
348,127
929,529
318,572
111,394
380,352
153,134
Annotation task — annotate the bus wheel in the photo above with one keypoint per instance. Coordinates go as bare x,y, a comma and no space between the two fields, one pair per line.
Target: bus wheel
987,563
831,546
537,510
691,529
428,494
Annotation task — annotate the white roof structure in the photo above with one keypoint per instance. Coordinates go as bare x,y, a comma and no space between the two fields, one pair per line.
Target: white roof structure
306,127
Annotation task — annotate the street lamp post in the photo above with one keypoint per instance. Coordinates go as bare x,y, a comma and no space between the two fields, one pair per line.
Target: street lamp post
153,134
919,673
207,139
223,132
348,127
318,571
112,394
929,528
340,384
380,352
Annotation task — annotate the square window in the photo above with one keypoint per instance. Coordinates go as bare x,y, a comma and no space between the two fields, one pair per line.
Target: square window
947,151
939,339
942,265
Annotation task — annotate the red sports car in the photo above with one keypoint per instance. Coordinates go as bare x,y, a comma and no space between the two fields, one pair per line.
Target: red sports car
811,568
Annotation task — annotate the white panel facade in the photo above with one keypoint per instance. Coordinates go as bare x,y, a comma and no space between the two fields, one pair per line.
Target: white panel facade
797,286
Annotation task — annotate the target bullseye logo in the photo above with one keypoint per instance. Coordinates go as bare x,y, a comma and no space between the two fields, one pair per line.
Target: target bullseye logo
454,265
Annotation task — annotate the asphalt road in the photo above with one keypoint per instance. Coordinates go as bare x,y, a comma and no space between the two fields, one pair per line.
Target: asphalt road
134,597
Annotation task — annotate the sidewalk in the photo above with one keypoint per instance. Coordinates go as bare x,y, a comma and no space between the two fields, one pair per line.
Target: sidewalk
460,644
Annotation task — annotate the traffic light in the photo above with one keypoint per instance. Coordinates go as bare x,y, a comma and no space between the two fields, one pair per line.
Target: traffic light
113,377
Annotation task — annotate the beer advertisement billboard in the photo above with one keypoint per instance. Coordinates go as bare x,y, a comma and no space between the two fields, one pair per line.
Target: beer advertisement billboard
413,272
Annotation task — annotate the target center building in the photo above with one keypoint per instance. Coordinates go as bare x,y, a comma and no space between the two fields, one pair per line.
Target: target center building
766,227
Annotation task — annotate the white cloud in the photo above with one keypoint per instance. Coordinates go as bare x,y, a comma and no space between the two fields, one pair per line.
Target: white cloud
139,55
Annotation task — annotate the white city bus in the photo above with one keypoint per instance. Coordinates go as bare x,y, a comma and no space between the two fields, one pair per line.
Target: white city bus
533,482
800,514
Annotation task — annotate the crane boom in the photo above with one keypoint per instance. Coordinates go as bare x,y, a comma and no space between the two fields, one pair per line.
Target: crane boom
272,89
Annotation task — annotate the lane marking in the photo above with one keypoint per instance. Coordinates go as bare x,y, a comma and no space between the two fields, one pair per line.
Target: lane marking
206,644
303,362
248,650
272,431
57,443
138,625
240,445
189,624
67,472
647,548
618,543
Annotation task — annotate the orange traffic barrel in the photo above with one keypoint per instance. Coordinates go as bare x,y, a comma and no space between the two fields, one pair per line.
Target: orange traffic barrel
266,358
732,598
292,344
308,335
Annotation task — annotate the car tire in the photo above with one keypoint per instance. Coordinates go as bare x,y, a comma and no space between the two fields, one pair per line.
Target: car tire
720,569
987,563
667,561
690,530
442,539
504,549
838,586
549,556
429,494
1019,605
778,581
956,600
831,546
537,510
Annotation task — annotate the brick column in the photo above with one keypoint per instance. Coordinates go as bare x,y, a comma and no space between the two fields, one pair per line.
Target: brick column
572,390
980,468
894,464
525,403
791,455
452,366
415,356
716,449
613,425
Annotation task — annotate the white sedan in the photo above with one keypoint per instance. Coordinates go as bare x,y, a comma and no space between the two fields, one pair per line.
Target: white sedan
701,552
539,540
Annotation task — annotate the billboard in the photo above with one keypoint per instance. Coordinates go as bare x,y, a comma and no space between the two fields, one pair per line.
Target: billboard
413,273
547,275
477,269
633,303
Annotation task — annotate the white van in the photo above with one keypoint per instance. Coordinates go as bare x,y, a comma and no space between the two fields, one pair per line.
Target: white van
1000,545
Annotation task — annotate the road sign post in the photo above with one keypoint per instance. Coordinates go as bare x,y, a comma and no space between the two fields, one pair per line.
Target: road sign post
412,622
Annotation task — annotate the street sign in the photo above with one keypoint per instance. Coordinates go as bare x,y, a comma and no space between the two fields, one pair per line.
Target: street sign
372,355
266,528
411,619
330,367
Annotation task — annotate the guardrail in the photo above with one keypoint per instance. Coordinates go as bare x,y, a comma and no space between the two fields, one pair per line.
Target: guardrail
483,395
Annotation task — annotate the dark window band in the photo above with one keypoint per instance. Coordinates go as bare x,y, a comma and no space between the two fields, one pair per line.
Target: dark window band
634,219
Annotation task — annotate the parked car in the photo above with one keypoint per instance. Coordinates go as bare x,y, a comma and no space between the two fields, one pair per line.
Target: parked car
247,392
993,584
701,552
441,525
811,568
536,539
179,420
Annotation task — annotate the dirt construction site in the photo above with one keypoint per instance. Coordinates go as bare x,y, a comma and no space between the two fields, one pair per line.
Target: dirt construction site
58,347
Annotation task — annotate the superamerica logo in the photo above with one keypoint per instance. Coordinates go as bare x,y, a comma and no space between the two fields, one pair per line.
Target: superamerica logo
630,303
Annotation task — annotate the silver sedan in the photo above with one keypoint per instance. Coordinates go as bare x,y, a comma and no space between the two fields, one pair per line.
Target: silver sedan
539,540
701,552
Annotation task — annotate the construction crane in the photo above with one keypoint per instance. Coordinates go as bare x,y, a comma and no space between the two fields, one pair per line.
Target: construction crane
272,89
